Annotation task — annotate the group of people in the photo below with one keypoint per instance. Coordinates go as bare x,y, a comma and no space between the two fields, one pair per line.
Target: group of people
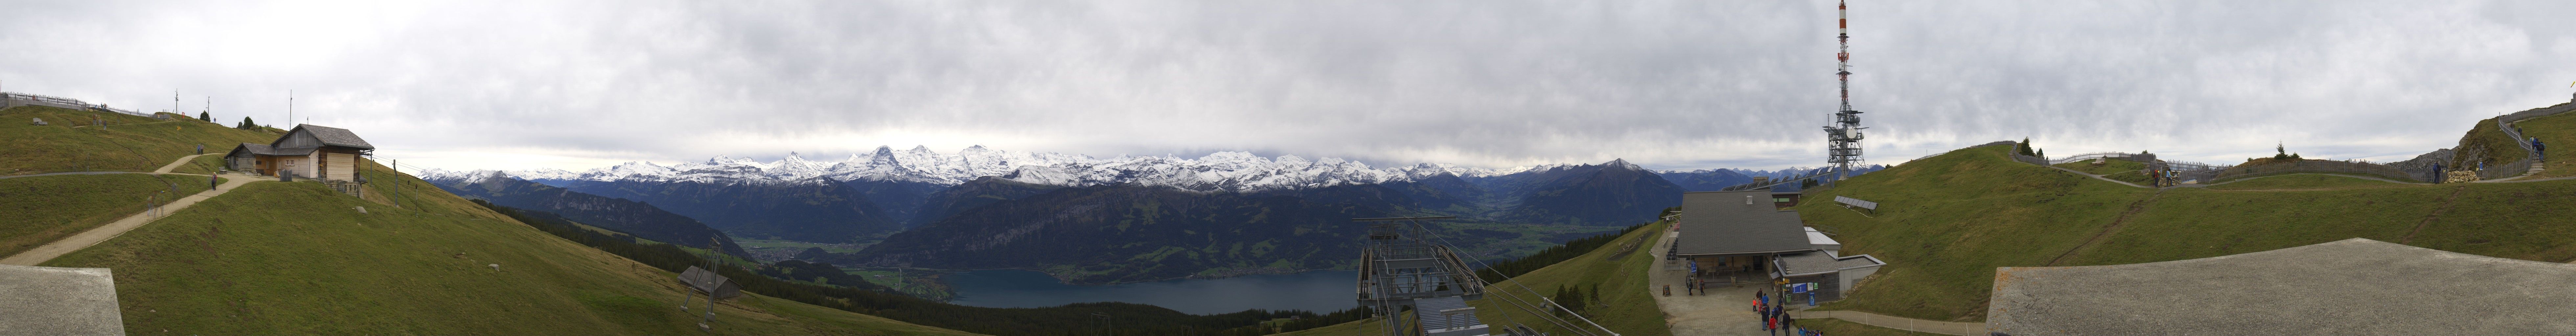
1775,317
2164,177
2537,148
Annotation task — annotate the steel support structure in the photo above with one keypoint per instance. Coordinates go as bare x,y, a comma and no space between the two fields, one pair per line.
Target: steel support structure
1843,135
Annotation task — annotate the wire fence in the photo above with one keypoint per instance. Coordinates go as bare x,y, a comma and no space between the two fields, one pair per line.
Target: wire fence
2139,157
16,99
2206,173
2508,169
2033,160
2319,166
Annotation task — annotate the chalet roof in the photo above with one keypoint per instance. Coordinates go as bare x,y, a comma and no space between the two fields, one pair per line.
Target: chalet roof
2347,287
332,136
1722,222
260,149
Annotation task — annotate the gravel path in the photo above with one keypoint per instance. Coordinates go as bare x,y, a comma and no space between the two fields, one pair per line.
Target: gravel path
58,248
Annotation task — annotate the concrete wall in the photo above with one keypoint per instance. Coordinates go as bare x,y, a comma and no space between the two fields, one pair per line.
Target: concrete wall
1852,277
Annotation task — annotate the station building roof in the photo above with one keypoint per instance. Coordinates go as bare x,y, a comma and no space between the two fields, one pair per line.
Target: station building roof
1737,222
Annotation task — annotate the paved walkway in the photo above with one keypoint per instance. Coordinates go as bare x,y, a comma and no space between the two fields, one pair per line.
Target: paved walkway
165,169
1724,311
71,173
2098,177
76,242
1937,327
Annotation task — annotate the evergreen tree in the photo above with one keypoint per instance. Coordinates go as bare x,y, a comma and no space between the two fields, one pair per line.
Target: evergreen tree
246,123
2024,147
202,116
2040,152
1592,295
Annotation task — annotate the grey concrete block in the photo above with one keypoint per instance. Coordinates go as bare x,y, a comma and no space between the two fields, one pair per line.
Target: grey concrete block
58,301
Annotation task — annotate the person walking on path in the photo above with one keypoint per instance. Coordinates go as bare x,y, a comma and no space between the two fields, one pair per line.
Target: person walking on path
2538,149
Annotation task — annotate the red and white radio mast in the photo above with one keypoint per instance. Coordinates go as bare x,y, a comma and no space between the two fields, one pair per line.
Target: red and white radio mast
1843,134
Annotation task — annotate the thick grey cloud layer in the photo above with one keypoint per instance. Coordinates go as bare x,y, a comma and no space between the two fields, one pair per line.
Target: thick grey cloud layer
1690,84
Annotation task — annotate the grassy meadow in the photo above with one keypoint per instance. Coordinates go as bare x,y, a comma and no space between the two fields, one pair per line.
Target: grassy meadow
46,208
127,143
298,258
1947,221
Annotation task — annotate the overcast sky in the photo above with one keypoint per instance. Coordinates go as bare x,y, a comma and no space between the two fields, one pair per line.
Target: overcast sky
1669,85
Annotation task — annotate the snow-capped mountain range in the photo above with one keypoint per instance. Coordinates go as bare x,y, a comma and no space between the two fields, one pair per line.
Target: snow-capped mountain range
1221,171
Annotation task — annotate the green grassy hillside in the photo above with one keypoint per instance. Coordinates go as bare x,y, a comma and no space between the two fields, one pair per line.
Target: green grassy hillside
2305,181
2559,132
2485,144
1626,307
45,208
127,143
203,164
1947,221
298,258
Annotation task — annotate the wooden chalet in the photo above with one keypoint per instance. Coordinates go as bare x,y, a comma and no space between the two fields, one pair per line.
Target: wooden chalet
313,152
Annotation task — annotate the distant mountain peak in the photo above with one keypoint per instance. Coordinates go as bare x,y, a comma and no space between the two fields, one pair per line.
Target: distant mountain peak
1623,163
1217,171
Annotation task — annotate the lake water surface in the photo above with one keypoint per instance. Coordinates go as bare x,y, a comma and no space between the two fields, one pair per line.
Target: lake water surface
1317,291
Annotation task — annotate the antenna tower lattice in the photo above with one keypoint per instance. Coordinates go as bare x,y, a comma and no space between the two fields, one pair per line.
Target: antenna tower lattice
1843,133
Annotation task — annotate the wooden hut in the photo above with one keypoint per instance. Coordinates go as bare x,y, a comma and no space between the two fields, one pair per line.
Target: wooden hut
314,152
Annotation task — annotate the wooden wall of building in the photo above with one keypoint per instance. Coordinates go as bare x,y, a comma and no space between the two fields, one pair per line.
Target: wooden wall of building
339,166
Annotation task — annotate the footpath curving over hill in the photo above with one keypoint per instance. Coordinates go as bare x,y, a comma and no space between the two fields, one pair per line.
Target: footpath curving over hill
300,258
1946,222
273,257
